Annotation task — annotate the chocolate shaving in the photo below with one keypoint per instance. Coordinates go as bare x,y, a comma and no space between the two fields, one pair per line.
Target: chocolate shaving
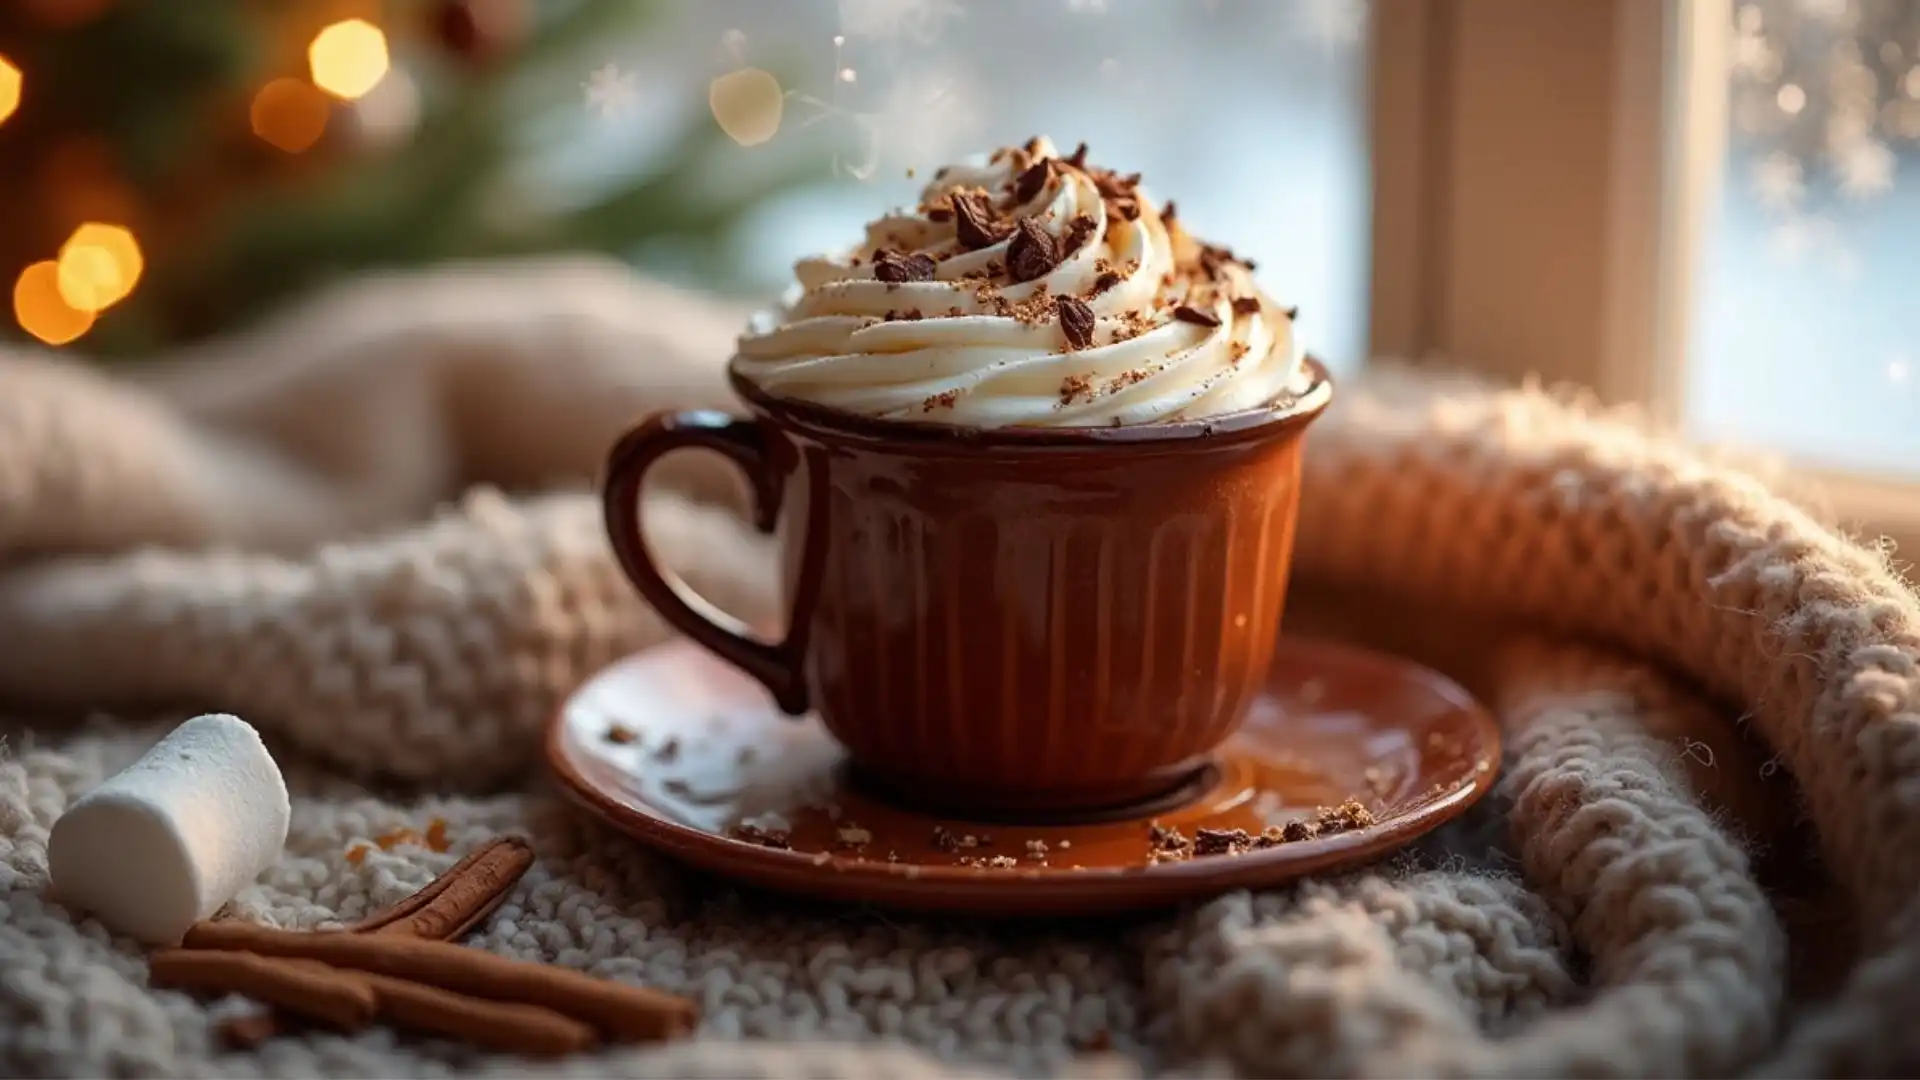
1076,321
1196,316
1031,182
1033,253
1168,212
940,213
1078,159
894,268
1127,209
1292,313
1107,280
974,224
1246,305
1078,231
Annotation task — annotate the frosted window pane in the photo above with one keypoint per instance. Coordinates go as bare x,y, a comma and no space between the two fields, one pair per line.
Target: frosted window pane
1250,113
1808,335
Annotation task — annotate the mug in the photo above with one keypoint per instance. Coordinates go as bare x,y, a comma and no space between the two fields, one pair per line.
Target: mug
1001,620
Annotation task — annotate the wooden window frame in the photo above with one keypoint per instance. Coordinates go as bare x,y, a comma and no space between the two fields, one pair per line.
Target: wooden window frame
1543,174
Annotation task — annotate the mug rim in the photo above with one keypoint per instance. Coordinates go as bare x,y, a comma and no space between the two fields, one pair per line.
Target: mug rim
1264,420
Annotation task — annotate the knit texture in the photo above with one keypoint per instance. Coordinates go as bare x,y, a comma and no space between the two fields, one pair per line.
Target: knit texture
365,527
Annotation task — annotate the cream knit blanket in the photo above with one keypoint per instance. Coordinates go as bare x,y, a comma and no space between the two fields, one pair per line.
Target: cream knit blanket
254,529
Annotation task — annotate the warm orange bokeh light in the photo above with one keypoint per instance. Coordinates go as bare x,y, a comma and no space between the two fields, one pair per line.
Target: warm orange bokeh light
10,81
99,265
41,311
290,114
348,58
747,105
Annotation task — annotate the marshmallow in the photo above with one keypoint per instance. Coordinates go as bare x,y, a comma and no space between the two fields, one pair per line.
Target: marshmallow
175,835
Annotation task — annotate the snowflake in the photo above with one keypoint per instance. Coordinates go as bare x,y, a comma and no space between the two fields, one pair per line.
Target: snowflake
1779,181
1334,22
610,91
1866,168
892,20
925,117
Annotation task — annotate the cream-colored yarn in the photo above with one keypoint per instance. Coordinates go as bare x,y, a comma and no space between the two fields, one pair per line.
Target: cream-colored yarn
283,525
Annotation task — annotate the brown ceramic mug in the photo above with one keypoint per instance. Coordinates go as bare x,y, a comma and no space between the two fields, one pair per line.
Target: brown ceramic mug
1015,619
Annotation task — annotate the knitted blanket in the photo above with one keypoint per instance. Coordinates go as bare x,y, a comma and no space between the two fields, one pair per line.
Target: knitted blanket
366,528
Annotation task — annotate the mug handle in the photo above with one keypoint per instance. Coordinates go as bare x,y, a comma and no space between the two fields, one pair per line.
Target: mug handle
745,443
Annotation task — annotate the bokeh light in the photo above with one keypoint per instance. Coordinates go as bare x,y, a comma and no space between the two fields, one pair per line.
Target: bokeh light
10,81
98,266
348,58
290,114
41,311
747,104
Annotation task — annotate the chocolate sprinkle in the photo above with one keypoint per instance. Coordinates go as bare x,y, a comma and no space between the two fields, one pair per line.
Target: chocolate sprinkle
974,224
1030,183
1033,253
1076,321
1246,305
894,268
1196,316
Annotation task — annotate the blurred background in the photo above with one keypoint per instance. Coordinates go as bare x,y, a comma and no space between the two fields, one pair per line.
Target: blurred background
170,170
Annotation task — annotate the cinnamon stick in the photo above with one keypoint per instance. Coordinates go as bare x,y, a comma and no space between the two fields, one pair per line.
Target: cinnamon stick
446,909
619,1011
311,990
460,899
508,1027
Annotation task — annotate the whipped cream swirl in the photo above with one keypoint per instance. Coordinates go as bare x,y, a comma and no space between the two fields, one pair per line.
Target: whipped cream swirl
1028,290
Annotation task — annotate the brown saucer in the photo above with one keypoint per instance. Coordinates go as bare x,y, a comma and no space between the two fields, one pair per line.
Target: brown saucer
681,751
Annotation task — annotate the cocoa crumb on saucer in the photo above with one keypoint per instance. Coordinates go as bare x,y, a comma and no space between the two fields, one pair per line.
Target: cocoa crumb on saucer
1221,841
776,839
621,734
1076,321
1168,841
943,400
1349,815
1295,831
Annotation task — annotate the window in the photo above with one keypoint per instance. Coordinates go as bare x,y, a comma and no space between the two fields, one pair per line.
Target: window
1709,207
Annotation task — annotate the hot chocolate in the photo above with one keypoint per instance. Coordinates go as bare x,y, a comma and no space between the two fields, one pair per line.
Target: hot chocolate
1028,290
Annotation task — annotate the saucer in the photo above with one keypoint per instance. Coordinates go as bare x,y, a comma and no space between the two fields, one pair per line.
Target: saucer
1348,755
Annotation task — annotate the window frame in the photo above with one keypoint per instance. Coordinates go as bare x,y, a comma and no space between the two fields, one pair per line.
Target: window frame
1544,174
